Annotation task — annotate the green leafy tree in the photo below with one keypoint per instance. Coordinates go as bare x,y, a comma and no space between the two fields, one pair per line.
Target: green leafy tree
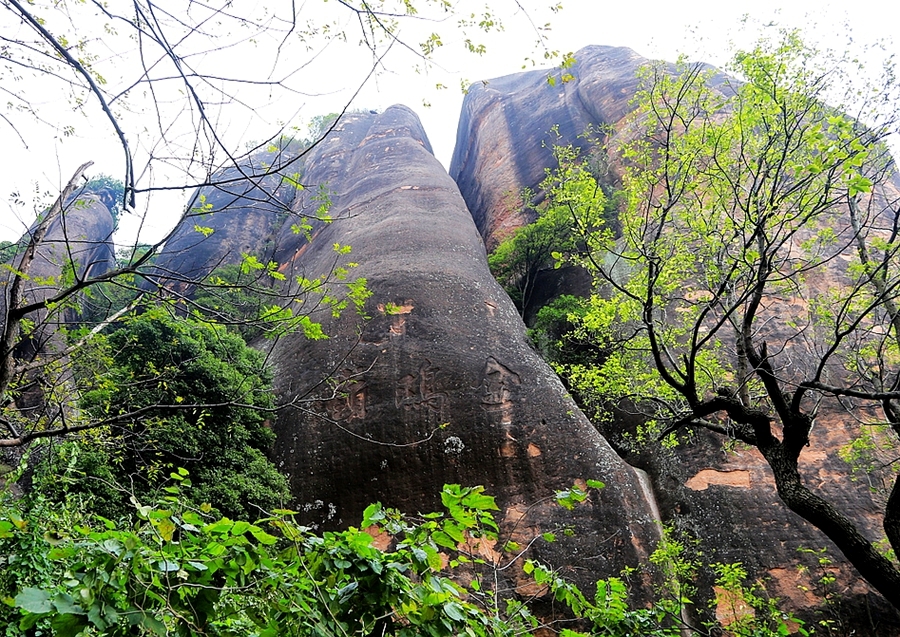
238,296
517,261
171,393
559,335
755,281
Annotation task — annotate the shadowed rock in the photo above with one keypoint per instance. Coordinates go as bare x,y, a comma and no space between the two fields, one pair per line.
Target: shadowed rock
439,386
77,245
238,215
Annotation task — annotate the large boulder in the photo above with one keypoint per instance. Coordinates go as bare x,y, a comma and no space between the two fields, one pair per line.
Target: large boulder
77,245
508,126
723,494
438,385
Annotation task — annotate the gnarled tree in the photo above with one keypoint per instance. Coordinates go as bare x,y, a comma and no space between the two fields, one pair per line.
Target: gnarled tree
758,268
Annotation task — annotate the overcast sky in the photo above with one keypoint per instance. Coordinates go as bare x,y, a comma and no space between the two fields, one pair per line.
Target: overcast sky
653,29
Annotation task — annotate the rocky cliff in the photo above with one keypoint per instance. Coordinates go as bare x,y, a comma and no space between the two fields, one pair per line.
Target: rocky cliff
77,244
508,126
238,214
438,385
721,494
435,383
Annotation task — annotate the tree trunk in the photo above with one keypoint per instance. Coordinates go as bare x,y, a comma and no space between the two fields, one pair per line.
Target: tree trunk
872,565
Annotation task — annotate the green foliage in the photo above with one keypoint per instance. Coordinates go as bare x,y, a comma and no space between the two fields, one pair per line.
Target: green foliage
24,559
558,333
321,124
9,249
111,192
241,296
729,198
250,297
179,570
748,610
751,611
175,392
518,259
753,278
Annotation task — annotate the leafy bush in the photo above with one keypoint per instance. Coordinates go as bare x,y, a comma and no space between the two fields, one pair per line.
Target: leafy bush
176,393
9,249
179,570
560,336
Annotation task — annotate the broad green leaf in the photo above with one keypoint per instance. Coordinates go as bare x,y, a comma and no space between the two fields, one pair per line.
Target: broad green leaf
34,600
262,537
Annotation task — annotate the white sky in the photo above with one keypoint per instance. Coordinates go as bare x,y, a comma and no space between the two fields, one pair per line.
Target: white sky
653,29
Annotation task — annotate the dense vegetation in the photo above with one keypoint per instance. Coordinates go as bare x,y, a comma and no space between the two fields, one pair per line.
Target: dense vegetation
751,282
176,569
199,399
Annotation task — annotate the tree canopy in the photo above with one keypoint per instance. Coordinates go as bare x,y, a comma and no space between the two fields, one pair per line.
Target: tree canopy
178,393
752,287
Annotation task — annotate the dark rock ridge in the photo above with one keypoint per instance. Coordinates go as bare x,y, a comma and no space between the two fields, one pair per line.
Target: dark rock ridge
238,214
80,236
724,497
439,385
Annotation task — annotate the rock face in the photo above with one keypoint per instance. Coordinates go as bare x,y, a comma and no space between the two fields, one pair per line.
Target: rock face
434,381
236,216
509,125
439,385
80,240
505,135
81,237
723,496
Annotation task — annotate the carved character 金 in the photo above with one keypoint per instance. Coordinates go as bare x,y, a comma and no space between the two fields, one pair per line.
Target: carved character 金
497,389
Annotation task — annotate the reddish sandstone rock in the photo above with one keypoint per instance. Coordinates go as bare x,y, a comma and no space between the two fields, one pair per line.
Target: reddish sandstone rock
505,135
439,385
723,496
